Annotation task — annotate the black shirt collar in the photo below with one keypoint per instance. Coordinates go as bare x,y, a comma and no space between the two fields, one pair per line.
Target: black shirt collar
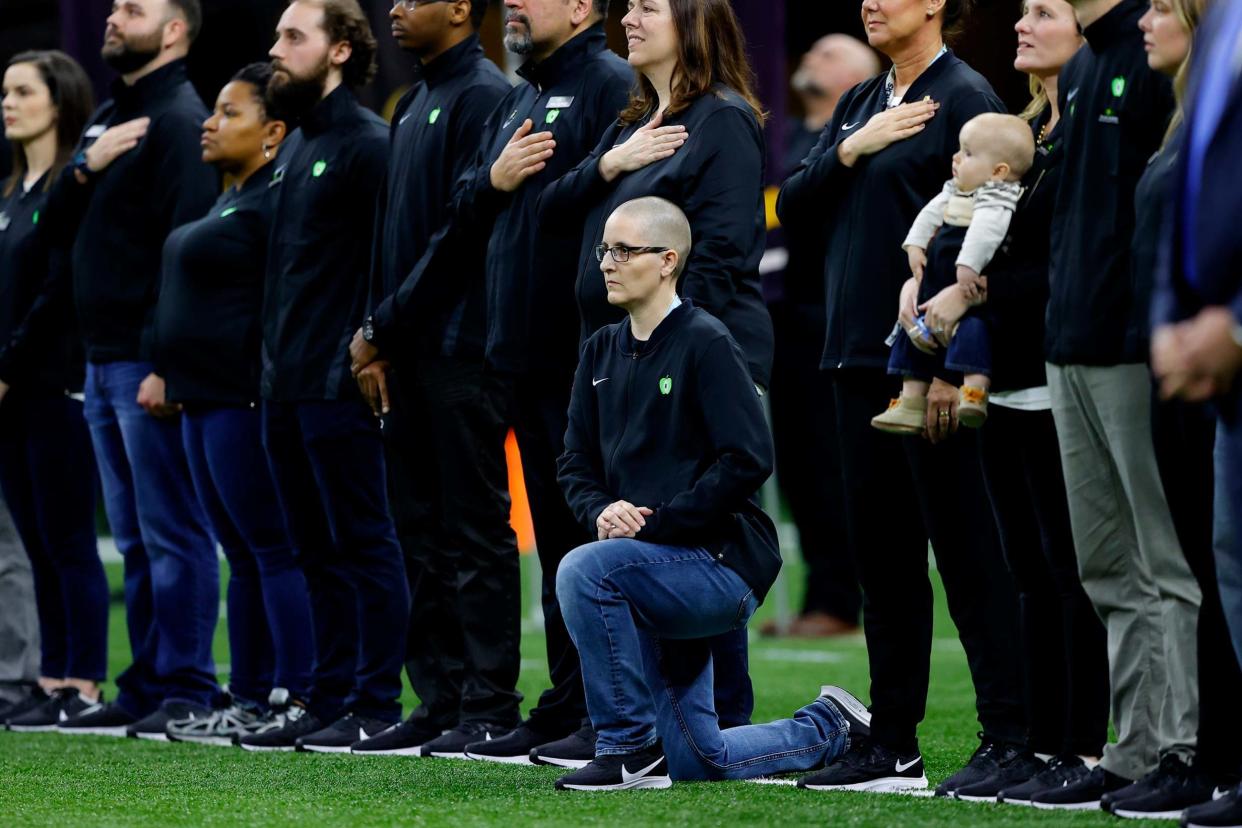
259,179
338,106
551,69
1117,24
150,87
451,63
667,327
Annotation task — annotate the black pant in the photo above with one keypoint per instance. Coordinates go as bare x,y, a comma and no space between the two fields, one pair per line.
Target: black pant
1184,437
540,416
448,492
808,462
901,491
1063,644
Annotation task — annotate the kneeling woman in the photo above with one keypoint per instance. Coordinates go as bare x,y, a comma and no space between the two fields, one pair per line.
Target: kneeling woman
666,449
208,351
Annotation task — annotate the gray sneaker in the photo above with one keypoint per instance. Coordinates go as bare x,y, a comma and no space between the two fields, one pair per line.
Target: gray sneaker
221,728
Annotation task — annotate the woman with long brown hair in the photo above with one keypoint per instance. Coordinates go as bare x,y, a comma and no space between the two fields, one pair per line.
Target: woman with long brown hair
692,134
47,469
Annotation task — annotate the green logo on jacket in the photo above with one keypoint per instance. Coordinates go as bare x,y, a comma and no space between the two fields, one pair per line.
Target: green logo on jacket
228,212
434,115
319,167
1119,86
666,385
552,115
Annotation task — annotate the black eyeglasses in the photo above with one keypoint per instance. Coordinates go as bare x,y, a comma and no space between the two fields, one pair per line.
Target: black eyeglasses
621,254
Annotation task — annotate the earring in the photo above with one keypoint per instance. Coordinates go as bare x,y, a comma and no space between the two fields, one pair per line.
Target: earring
267,152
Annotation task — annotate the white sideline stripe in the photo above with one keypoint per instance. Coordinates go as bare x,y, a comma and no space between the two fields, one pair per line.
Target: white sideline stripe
796,656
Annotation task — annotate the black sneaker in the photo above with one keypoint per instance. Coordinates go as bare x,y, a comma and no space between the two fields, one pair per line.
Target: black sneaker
1164,793
100,719
869,766
516,747
851,709
576,750
342,734
983,763
63,704
621,772
20,699
452,743
1060,772
1021,766
281,728
1082,795
154,728
1223,812
402,739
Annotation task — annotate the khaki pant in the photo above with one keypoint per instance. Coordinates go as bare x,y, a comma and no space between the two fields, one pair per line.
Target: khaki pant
1130,561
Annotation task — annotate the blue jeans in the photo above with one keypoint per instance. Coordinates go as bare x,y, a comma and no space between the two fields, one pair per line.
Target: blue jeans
172,578
47,473
269,614
640,615
1227,540
328,462
969,352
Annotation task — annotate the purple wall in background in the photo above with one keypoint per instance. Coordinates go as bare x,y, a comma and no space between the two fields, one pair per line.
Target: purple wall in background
764,24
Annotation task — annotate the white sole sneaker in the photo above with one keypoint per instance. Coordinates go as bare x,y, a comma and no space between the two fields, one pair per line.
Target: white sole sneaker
213,741
1069,806
95,731
152,737
449,755
572,764
884,784
409,751
841,697
32,728
1148,814
264,749
325,749
503,760
646,782
974,798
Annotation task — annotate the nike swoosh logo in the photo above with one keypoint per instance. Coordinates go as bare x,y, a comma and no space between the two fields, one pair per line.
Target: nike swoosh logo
848,127
487,737
362,734
94,708
404,118
903,767
626,776
595,382
62,716
1073,93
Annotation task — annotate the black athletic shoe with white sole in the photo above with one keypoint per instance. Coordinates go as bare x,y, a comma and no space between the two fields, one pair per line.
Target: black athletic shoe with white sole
402,739
281,728
62,705
1164,793
1013,771
1081,795
154,727
1224,811
516,747
869,766
646,768
983,763
574,751
100,719
452,743
855,713
1060,772
342,734
19,699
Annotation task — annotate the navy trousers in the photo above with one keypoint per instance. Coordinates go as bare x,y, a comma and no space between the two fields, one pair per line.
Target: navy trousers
172,578
269,613
47,474
328,461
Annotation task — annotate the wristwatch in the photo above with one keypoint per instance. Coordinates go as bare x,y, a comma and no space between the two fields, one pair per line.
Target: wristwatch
368,330
82,168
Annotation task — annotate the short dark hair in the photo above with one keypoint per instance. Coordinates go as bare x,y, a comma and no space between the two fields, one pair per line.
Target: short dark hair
192,11
70,90
259,75
956,13
345,21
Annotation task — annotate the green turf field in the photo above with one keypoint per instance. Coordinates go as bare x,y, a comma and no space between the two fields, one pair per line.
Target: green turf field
99,781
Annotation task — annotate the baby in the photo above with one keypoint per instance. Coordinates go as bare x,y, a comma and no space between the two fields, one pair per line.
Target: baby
953,239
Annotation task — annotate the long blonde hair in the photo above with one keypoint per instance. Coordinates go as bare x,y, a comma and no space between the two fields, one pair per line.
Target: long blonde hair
1189,13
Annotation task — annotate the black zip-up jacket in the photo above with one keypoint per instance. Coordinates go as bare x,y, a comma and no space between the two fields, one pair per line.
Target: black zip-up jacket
576,94
207,324
869,207
38,347
717,179
674,424
1018,274
436,131
1115,111
319,259
124,214
1151,205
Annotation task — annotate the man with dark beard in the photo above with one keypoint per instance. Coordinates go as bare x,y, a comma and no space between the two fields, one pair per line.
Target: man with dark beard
323,444
443,418
136,177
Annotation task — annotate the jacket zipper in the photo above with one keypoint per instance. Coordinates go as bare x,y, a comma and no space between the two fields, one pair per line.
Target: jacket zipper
629,381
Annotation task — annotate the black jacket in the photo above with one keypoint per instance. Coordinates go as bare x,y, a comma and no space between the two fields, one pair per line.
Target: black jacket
674,424
1151,203
208,322
576,93
38,346
123,215
801,281
319,259
717,179
1115,111
436,131
871,206
1018,275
